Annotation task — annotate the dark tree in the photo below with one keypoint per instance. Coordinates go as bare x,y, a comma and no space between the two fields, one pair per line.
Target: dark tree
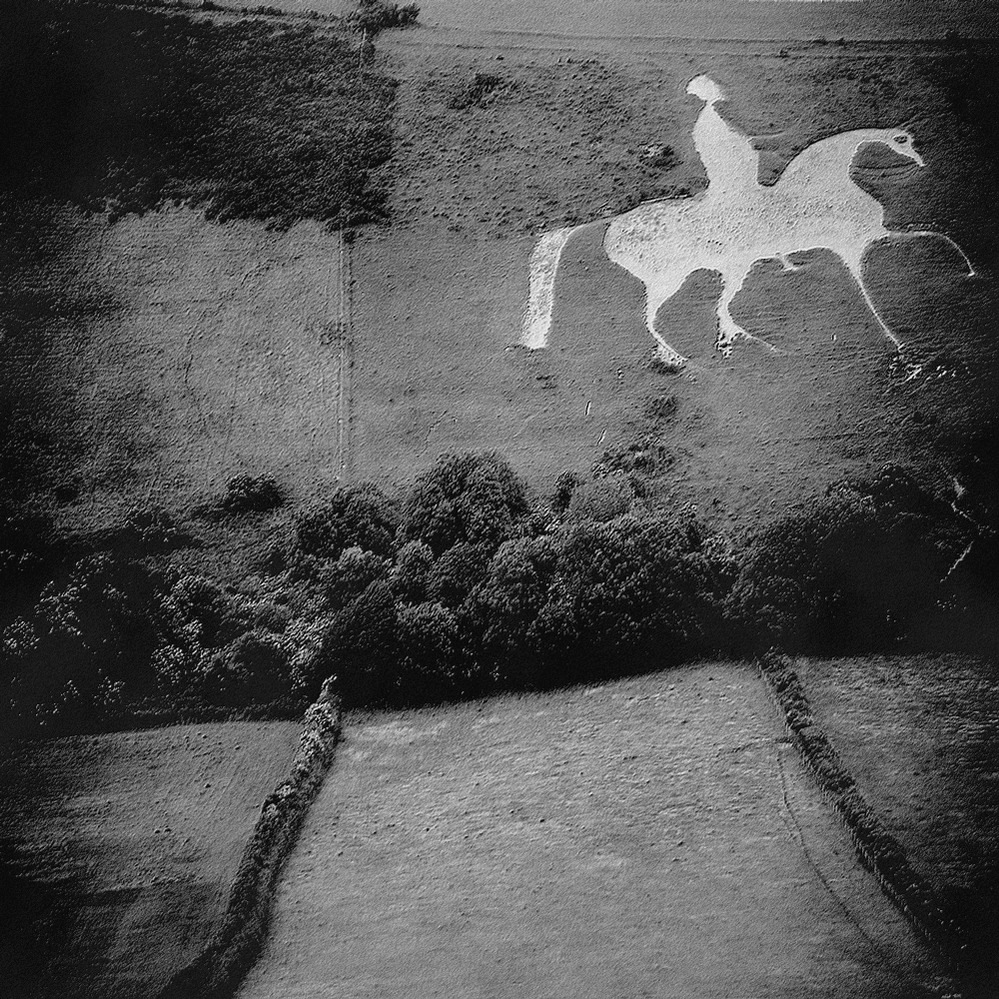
354,515
472,498
361,645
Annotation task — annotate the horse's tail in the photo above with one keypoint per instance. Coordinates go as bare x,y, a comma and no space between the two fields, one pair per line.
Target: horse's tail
541,298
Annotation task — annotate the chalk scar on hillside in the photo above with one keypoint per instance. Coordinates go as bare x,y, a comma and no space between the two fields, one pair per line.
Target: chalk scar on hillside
734,223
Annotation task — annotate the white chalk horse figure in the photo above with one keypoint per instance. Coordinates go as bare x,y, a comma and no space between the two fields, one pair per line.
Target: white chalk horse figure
736,222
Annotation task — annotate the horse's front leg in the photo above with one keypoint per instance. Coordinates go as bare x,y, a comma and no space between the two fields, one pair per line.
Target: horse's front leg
917,233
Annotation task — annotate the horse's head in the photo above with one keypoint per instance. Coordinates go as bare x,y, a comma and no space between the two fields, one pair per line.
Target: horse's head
900,141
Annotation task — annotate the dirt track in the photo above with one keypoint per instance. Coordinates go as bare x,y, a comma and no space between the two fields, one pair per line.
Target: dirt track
651,837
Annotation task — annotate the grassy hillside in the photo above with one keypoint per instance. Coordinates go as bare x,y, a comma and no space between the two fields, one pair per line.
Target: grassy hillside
557,138
147,351
117,846
162,354
649,837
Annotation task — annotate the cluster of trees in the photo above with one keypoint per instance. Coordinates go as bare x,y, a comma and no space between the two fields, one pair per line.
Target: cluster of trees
462,586
124,109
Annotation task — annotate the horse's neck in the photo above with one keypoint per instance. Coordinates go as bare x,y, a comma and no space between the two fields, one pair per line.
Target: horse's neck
838,149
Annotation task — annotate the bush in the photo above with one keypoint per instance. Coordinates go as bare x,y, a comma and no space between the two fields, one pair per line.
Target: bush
430,656
253,669
409,575
248,493
863,569
354,515
478,91
359,648
143,531
501,612
373,16
474,499
197,609
644,457
352,573
660,409
565,485
601,500
93,628
456,573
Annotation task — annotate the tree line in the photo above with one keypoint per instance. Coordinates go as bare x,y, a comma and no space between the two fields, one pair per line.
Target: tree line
463,585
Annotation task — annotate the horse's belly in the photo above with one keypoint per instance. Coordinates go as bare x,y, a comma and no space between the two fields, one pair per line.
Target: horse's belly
657,240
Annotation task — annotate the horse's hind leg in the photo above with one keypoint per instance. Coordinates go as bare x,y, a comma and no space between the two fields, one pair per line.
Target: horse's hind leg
656,295
541,296
728,329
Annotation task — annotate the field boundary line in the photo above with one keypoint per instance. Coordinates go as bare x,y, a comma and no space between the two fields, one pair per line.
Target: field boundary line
218,971
878,851
796,832
345,346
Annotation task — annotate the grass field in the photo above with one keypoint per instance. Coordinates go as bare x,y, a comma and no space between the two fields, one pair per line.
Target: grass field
920,736
124,847
649,837
224,354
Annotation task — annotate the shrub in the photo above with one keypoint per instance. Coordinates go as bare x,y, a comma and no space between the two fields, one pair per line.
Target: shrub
253,669
456,573
430,665
249,493
660,409
500,614
359,647
408,578
860,570
641,585
246,119
565,486
372,16
478,91
470,498
197,609
93,627
351,574
271,617
645,456
354,515
143,531
601,500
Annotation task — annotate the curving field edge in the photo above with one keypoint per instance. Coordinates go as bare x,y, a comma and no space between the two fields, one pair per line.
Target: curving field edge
876,848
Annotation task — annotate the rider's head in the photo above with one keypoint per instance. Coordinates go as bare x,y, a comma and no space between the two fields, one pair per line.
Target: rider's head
704,87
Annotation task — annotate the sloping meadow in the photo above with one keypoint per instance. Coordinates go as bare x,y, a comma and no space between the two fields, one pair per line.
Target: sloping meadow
113,112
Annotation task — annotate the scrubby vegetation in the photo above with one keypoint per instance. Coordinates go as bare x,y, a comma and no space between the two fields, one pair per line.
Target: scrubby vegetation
124,109
373,16
462,586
